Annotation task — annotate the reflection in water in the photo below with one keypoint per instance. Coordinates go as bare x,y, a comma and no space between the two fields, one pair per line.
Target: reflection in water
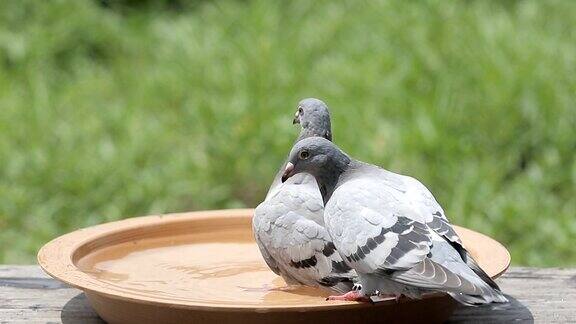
109,275
278,289
220,270
275,294
195,269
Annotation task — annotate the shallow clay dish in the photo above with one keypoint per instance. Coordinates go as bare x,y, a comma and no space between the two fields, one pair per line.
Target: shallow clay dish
204,267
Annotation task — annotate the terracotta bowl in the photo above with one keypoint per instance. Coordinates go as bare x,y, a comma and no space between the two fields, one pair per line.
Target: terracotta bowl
204,267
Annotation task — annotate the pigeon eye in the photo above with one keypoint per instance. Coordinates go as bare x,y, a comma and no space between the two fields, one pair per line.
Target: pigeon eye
300,111
304,155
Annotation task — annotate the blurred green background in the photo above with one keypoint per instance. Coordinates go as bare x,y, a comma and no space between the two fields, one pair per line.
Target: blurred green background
113,109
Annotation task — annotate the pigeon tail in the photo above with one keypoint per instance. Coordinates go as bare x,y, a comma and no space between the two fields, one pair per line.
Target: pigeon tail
487,294
479,272
477,300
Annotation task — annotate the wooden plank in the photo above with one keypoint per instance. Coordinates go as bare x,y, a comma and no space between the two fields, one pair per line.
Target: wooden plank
537,295
27,295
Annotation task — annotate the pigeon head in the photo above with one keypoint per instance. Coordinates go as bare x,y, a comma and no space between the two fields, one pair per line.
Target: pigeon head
314,118
318,157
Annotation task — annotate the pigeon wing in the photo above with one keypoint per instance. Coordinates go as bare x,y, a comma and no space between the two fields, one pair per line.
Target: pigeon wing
377,232
417,194
372,229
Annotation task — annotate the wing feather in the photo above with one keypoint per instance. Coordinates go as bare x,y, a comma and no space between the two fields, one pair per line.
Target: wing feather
420,195
378,230
289,229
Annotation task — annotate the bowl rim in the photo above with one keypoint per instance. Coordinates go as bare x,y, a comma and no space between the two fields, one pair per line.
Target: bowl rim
58,259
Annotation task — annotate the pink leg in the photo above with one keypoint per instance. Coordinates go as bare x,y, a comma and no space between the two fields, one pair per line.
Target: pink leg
353,295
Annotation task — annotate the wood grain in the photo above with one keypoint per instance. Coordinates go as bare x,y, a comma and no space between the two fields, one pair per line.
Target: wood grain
27,295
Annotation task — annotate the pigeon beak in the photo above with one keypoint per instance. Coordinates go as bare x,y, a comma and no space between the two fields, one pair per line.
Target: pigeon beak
288,172
296,119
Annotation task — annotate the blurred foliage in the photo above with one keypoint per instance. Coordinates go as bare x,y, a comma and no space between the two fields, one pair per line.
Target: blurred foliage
112,109
136,5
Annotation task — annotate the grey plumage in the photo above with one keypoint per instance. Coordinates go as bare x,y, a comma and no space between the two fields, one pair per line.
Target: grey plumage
289,224
389,228
314,118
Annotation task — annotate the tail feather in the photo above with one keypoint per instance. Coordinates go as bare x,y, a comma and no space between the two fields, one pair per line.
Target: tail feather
476,300
447,271
491,290
488,294
469,260
483,275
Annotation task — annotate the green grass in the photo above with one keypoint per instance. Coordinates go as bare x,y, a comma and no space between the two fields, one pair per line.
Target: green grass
107,113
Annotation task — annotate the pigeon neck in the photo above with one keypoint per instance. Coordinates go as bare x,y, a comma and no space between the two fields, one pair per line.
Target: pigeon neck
329,179
310,130
327,187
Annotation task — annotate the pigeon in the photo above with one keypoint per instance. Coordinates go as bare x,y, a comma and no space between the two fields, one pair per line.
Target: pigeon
390,229
289,224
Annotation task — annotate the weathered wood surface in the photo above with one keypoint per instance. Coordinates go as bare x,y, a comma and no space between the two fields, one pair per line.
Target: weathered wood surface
27,295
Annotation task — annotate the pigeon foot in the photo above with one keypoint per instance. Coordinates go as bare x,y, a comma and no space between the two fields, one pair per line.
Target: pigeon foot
353,295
